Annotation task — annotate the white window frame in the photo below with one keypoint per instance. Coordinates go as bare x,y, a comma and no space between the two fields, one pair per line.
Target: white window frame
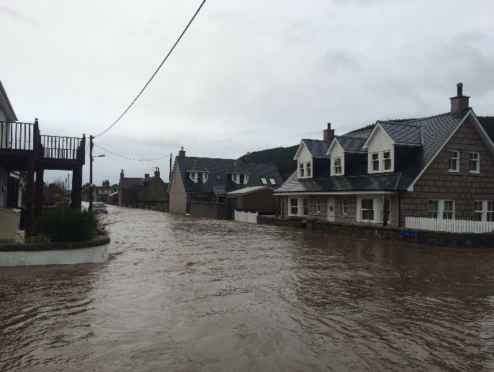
385,159
298,206
475,161
362,210
375,160
193,176
454,161
485,210
236,177
440,209
318,206
337,167
305,169
343,207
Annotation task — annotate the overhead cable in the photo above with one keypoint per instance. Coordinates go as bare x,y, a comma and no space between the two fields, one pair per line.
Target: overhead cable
129,158
171,50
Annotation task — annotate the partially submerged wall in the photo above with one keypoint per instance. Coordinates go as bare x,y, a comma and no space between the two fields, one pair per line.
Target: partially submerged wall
433,238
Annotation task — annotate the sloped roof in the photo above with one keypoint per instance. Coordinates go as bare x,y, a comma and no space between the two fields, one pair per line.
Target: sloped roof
403,133
219,168
6,105
317,147
351,144
247,190
197,166
147,179
435,131
237,168
128,183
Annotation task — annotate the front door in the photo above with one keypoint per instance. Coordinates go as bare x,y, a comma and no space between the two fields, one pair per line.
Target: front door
330,210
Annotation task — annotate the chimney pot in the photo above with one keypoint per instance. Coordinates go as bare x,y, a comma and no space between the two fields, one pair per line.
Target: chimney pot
146,175
459,89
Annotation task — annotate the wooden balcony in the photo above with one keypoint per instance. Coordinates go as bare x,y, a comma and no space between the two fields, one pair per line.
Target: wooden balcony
19,141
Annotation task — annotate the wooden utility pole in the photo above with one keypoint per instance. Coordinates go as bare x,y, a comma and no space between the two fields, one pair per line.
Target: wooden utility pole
91,173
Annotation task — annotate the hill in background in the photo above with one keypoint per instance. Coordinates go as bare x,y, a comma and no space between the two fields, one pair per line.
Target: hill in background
282,157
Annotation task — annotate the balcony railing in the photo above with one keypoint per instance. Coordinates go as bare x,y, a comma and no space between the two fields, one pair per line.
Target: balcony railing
64,148
18,136
15,137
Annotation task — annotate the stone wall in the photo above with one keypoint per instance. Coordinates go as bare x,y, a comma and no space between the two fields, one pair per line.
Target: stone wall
463,187
157,188
432,238
208,210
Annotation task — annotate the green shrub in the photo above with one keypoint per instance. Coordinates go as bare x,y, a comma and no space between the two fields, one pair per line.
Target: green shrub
61,204
152,200
56,198
66,225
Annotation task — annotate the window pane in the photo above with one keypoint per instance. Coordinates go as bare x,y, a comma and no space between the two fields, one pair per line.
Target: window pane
272,180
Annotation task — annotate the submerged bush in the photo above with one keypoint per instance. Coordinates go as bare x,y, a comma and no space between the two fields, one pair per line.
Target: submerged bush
66,225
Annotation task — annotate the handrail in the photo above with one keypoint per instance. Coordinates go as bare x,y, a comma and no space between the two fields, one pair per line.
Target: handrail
18,136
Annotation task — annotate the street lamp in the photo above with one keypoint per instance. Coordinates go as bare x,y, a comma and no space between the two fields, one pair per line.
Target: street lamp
91,157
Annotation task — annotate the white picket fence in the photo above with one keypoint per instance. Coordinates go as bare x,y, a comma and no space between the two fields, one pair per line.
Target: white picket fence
250,217
454,226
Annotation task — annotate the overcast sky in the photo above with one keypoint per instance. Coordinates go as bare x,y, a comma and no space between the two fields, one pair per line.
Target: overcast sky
247,76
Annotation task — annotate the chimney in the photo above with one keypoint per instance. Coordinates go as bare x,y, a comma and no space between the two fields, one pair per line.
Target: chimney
248,158
157,173
146,175
121,174
181,153
460,102
328,134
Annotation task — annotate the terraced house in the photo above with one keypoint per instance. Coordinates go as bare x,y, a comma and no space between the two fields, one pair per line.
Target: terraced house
440,166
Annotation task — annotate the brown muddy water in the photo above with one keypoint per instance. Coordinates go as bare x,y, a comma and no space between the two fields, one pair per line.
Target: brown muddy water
185,294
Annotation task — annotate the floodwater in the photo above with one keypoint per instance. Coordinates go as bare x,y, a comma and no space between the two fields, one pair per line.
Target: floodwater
185,294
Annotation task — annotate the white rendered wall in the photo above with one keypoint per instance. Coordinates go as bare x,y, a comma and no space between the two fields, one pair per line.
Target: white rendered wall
337,152
379,143
97,254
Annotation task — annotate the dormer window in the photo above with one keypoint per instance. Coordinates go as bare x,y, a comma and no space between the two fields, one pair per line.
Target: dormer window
272,180
337,170
198,177
375,162
264,181
387,160
240,179
305,169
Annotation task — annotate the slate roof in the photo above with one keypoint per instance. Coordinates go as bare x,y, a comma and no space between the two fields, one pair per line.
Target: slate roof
435,130
351,144
148,179
237,168
219,168
128,183
403,133
317,147
197,166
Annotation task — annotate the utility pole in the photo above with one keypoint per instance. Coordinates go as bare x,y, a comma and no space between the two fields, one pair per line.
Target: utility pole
90,173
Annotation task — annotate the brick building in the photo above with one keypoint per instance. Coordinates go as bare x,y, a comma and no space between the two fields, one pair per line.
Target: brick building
131,189
198,186
440,167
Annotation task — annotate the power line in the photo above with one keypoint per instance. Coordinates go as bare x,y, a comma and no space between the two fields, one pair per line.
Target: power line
171,50
129,158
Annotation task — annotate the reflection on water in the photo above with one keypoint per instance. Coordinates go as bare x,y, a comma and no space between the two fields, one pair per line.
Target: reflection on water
184,294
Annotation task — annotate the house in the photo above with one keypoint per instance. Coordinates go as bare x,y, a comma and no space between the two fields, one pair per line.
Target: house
440,167
132,189
24,149
198,186
100,193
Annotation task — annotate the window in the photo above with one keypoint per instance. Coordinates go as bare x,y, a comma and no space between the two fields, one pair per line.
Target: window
479,210
474,162
343,206
305,204
454,161
375,162
272,180
484,211
336,166
218,177
367,209
387,160
318,206
221,199
263,180
388,202
442,209
305,169
200,178
433,208
240,178
294,206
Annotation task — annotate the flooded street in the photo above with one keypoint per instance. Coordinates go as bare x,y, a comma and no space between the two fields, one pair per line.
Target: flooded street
185,294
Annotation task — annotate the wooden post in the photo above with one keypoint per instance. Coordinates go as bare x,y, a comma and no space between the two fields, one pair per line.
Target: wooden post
30,196
77,187
38,193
